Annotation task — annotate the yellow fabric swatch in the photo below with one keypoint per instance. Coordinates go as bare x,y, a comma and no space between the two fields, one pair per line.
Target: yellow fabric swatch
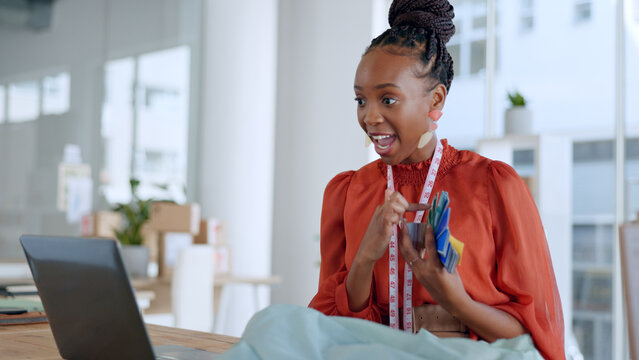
458,246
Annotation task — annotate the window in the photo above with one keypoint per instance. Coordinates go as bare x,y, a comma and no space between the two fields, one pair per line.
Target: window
477,56
148,140
55,94
592,244
524,163
592,294
592,291
2,104
593,186
526,15
454,53
632,178
468,46
465,100
593,238
162,121
479,22
459,26
24,101
478,12
117,129
592,151
50,101
564,108
583,10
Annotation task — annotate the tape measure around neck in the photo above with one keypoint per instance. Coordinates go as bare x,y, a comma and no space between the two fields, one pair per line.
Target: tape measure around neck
393,283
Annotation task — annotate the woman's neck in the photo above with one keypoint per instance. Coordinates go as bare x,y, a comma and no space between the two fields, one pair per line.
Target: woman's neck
424,153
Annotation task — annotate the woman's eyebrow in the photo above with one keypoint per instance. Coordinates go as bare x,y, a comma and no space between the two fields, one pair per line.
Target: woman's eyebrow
380,86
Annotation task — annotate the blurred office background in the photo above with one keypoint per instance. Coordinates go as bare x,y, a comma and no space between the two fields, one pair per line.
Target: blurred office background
246,108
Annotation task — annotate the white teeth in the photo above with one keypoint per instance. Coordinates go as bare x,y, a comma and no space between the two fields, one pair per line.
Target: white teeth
382,147
380,137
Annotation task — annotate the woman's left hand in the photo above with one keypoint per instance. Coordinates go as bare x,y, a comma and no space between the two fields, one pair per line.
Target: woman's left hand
445,288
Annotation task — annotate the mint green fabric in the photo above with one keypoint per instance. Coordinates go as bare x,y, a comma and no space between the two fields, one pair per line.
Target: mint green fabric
29,305
293,332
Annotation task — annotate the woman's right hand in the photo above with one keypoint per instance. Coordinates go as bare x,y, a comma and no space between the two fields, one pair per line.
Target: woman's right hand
373,246
380,228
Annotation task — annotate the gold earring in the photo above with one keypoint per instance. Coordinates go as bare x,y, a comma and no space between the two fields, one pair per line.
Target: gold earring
424,139
367,141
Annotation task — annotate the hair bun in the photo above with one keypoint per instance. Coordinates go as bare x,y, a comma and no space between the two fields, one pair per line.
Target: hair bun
434,15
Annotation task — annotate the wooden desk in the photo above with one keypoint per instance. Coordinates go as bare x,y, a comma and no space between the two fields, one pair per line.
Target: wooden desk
142,297
217,281
161,287
35,341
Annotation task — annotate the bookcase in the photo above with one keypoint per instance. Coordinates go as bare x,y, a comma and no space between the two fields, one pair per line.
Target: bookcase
545,164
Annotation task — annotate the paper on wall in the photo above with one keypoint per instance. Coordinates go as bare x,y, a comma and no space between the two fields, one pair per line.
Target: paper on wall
66,172
79,198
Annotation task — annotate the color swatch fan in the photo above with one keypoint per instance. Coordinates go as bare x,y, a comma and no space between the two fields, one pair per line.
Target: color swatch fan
438,218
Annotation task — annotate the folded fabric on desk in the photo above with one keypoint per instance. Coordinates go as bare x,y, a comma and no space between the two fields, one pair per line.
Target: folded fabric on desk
292,332
35,312
18,290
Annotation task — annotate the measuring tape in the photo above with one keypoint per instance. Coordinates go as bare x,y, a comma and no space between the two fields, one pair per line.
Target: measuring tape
392,249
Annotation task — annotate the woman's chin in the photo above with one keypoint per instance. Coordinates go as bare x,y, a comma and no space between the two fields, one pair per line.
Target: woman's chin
390,160
384,152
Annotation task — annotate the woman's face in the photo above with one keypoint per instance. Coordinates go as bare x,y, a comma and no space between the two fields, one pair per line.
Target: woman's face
393,105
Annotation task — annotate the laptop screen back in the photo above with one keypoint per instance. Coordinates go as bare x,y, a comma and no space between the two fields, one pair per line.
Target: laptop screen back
87,297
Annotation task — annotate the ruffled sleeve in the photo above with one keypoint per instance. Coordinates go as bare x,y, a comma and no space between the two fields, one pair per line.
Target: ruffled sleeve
524,267
331,297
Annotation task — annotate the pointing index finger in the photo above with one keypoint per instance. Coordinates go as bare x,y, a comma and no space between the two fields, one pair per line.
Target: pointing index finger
417,207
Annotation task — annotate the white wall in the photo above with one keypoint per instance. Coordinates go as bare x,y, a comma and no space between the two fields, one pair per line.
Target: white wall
237,139
317,135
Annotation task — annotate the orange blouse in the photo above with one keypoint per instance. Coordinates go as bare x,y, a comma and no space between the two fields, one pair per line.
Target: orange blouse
506,263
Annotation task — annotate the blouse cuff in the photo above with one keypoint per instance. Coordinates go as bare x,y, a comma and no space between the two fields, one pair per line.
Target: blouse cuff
341,300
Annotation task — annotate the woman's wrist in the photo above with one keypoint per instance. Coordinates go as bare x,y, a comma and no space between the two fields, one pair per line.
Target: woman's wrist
364,260
487,322
358,283
458,306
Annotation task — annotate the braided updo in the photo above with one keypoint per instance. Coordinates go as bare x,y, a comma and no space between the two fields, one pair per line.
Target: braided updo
421,28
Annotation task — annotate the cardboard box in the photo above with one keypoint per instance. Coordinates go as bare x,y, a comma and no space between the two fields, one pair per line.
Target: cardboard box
170,245
212,232
104,223
101,224
222,259
171,217
150,239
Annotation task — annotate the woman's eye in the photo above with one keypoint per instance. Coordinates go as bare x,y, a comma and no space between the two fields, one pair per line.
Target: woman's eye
360,101
388,101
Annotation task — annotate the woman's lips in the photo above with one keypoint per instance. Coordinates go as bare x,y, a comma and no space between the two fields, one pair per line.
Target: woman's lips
383,142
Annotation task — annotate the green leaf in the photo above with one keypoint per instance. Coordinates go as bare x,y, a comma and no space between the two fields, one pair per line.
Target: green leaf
516,99
135,215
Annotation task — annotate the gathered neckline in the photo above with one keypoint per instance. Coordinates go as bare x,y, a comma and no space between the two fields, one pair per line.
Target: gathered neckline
416,173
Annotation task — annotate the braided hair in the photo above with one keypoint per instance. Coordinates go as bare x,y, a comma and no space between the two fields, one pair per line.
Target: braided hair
421,28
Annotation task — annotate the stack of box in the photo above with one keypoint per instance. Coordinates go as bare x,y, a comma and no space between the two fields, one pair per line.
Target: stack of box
213,232
101,224
175,224
170,228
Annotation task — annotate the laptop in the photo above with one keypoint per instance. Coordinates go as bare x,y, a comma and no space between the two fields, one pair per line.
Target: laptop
87,296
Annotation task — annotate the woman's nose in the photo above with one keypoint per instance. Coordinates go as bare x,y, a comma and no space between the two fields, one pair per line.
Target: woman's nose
372,117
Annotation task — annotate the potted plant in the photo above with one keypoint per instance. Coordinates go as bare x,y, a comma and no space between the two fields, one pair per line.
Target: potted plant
518,119
135,215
